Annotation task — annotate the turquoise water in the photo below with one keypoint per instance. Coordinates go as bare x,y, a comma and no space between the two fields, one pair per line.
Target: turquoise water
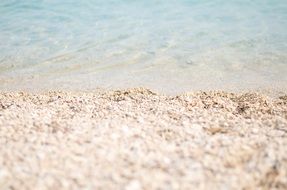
170,45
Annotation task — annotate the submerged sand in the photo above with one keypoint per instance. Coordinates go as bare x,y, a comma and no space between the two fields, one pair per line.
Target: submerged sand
137,139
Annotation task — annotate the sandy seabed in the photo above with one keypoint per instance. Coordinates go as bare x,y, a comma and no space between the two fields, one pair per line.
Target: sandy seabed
137,139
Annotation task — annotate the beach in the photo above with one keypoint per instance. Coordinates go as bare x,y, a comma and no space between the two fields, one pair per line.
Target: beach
143,95
139,139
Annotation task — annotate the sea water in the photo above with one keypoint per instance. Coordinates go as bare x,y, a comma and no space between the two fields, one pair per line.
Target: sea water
169,45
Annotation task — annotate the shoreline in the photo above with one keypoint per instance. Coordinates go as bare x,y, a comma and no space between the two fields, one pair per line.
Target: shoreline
274,92
139,139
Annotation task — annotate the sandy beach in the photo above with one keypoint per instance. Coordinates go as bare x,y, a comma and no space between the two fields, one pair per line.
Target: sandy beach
138,139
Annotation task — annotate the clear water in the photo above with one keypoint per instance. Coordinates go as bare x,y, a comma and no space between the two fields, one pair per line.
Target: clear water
169,45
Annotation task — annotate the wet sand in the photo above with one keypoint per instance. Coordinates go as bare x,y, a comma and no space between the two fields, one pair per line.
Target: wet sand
138,139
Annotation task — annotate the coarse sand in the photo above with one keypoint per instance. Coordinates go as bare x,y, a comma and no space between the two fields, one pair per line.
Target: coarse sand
137,139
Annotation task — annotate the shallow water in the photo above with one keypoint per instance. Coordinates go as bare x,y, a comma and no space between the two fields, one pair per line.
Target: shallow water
168,45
